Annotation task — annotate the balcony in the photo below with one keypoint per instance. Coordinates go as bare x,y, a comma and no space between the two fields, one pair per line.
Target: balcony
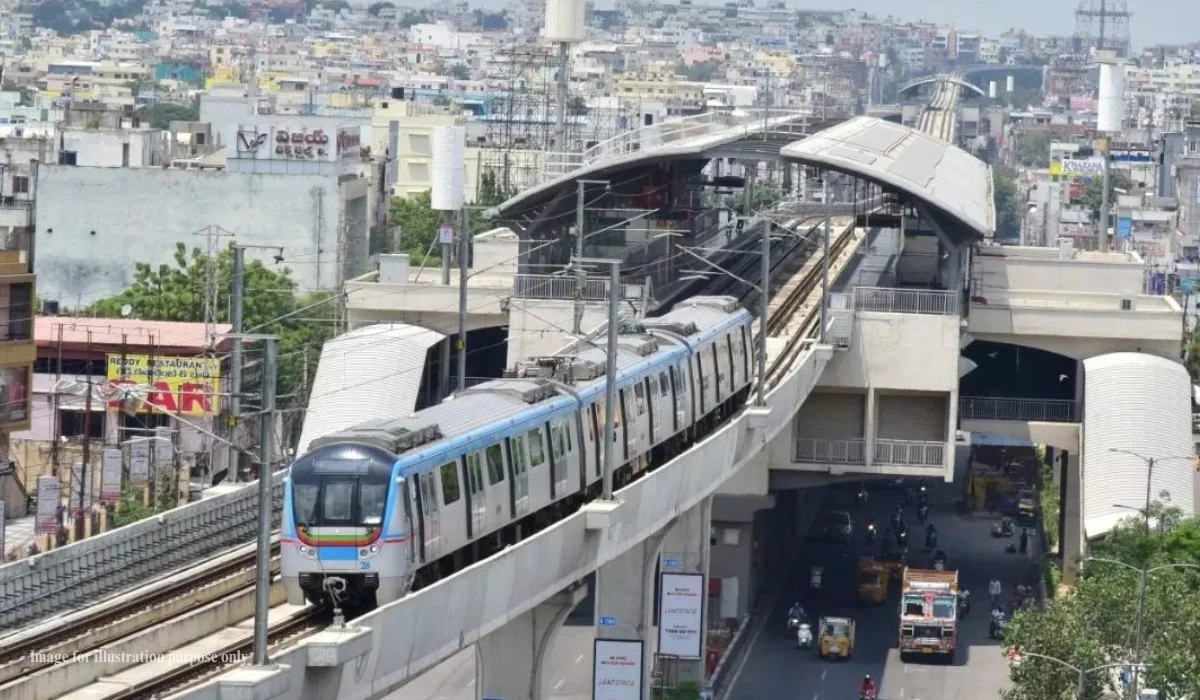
1024,410
888,453
15,213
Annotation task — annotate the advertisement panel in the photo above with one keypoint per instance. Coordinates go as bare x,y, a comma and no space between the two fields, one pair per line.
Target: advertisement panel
183,386
163,457
80,496
681,615
49,498
3,553
110,475
139,462
298,143
617,670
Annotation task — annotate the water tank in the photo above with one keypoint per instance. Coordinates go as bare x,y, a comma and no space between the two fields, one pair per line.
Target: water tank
448,174
1009,84
1112,98
565,20
992,89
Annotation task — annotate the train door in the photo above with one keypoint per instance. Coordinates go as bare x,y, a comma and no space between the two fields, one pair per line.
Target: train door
518,471
431,516
639,424
476,496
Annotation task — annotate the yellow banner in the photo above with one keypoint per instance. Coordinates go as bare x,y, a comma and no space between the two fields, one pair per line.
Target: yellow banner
183,386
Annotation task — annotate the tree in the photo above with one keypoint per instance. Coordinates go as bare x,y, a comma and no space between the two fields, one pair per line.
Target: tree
1093,194
162,114
1007,203
1095,624
375,8
491,192
460,71
1033,148
419,225
700,71
176,293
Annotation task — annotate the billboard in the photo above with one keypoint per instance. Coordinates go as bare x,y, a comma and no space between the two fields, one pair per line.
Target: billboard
182,386
298,143
110,475
49,498
139,462
617,670
681,615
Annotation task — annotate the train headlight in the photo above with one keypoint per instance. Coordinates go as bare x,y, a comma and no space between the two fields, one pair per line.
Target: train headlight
303,549
363,553
374,549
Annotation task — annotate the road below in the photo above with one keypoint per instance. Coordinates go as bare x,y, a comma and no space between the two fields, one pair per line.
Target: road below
569,660
775,668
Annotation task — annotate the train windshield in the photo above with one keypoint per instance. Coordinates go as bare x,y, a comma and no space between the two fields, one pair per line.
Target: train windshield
333,492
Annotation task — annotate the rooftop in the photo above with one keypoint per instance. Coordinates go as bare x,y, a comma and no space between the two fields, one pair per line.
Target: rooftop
137,335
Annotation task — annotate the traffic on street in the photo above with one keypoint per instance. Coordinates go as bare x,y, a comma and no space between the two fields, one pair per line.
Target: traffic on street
849,582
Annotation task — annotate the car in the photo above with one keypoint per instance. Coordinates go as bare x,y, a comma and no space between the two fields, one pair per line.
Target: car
837,525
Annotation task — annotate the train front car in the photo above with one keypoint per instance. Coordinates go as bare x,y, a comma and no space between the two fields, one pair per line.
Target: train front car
345,534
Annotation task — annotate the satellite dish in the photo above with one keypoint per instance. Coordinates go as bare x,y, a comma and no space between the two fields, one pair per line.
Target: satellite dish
126,310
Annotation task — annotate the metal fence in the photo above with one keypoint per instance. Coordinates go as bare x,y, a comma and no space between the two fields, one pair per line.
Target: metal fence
814,451
564,287
909,453
993,408
89,570
906,301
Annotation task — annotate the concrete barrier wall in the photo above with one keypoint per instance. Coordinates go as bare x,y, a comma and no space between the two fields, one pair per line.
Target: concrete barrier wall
416,633
84,571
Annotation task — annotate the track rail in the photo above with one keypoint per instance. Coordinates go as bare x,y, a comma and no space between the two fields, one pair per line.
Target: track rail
306,623
110,622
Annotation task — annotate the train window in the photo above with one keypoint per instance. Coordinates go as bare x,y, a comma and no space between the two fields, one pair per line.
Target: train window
518,455
566,430
372,498
339,501
429,499
664,387
450,490
537,452
558,440
716,353
639,394
495,465
474,472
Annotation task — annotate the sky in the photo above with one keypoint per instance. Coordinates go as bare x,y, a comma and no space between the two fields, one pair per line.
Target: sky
1153,21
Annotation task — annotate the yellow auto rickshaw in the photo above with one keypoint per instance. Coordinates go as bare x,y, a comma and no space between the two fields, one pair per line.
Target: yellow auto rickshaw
871,581
837,638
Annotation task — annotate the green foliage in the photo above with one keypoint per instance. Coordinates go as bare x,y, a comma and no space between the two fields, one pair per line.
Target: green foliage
1194,111
491,191
700,71
419,225
130,509
1008,204
1096,624
1093,194
74,16
176,293
375,8
460,71
160,115
1192,356
577,106
685,690
1048,497
1033,148
229,9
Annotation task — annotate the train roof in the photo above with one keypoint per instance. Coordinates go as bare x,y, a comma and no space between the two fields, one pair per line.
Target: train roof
692,317
474,408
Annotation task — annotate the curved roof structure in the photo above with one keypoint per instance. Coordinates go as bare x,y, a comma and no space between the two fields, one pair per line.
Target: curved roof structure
954,185
1137,404
912,84
370,372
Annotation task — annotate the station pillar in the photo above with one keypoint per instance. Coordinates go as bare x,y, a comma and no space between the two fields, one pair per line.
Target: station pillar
510,662
625,604
686,551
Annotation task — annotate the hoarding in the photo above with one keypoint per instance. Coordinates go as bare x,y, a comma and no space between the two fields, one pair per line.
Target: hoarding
298,143
681,615
110,475
617,670
139,462
3,554
49,498
80,495
183,386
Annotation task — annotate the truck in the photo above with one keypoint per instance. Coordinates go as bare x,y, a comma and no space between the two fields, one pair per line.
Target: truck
928,613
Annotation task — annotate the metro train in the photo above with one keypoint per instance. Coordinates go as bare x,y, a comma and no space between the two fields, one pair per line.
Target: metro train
389,506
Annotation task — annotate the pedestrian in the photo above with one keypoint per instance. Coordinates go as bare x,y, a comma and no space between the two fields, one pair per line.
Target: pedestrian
1024,540
994,590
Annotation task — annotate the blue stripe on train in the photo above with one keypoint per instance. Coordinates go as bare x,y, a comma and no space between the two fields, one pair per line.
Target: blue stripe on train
337,553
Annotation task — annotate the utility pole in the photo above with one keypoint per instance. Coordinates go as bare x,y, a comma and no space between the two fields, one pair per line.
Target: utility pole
610,372
85,470
825,254
764,310
580,273
266,448
235,360
463,252
447,242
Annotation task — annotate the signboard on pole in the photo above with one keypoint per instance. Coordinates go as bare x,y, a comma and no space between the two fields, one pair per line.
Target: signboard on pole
617,670
139,462
110,475
80,496
681,615
49,498
164,457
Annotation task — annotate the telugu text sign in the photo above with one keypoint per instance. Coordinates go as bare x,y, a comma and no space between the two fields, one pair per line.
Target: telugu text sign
49,499
185,386
681,623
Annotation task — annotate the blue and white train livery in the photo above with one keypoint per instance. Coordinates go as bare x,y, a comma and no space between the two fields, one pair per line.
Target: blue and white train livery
392,505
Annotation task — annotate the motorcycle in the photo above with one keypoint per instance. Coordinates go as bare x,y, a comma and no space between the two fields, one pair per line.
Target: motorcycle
872,534
964,603
815,578
939,561
922,514
1004,528
804,636
868,695
931,541
996,628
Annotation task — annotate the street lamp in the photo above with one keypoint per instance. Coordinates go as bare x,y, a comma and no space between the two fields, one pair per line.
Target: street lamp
1150,462
1141,604
1081,688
